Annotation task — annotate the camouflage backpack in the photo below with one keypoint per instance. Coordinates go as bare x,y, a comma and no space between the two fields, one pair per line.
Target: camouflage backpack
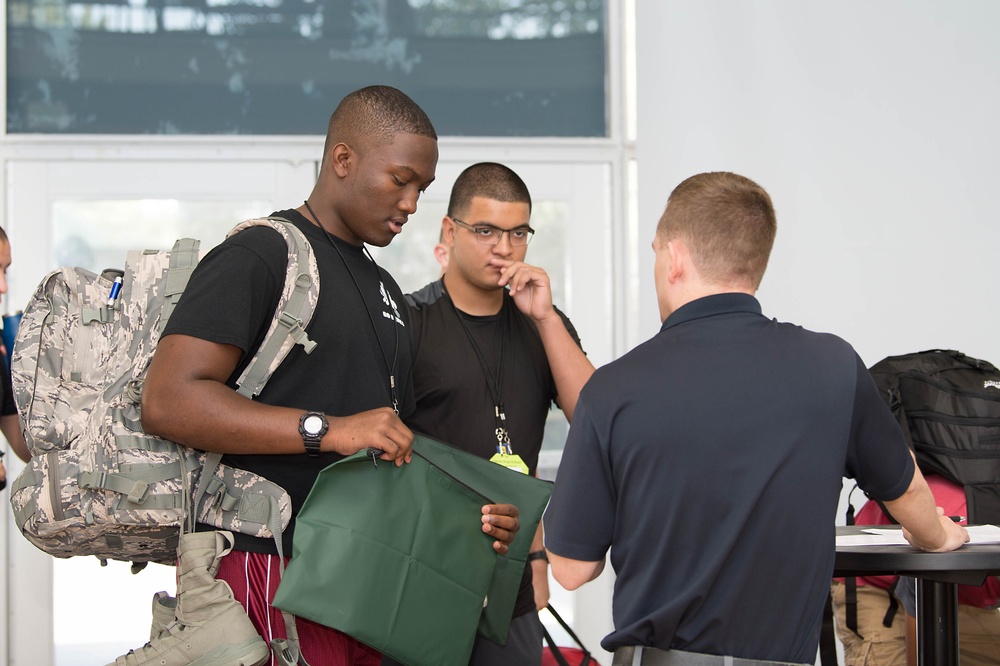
97,484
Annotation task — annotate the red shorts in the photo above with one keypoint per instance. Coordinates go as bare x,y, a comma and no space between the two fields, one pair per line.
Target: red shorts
254,578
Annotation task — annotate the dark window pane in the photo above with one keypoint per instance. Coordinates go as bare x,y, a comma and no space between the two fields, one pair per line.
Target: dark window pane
478,67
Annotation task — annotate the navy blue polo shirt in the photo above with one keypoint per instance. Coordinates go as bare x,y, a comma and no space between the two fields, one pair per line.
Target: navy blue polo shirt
710,461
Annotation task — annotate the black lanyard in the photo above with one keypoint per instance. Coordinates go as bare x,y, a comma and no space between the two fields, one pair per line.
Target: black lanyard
493,380
390,369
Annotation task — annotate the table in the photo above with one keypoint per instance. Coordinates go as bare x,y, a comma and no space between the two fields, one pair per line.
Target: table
937,575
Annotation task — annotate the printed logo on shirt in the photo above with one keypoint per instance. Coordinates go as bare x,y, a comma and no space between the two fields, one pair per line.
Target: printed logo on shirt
992,383
389,302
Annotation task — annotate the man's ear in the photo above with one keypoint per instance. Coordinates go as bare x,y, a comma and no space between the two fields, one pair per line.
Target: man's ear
441,253
679,259
448,231
341,159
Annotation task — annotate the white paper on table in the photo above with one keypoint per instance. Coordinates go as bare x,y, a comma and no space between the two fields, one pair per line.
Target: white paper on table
881,536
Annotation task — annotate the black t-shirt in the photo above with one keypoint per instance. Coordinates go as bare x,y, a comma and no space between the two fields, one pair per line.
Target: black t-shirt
710,461
231,299
455,394
7,405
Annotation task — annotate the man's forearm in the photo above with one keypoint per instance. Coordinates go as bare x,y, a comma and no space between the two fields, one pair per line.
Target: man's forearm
571,574
570,367
916,510
11,428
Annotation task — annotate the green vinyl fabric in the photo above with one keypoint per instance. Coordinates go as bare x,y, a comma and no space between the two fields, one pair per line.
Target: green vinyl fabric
504,486
396,557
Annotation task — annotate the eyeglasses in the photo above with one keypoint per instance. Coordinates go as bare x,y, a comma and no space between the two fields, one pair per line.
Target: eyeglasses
489,235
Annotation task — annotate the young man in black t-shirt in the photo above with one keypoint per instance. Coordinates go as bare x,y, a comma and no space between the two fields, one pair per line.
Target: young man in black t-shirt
489,361
380,155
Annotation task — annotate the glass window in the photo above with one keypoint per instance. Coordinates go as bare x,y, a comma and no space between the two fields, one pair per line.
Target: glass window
98,234
478,67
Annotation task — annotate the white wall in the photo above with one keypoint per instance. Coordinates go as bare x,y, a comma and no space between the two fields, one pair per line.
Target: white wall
873,125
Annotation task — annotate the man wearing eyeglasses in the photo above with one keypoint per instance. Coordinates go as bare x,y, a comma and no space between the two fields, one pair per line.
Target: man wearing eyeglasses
491,354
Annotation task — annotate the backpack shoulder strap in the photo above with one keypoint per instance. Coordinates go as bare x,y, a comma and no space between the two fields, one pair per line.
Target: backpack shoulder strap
295,307
890,612
183,258
294,312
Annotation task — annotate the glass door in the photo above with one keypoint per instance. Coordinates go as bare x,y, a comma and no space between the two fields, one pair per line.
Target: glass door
89,212
75,612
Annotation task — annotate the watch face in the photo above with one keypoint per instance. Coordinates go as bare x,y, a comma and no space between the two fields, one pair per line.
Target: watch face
312,425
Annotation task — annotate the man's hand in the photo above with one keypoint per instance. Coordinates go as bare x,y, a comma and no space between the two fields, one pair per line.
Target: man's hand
955,535
3,475
529,286
501,521
379,429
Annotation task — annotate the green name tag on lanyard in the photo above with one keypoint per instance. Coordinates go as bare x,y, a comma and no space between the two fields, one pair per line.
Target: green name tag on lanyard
510,461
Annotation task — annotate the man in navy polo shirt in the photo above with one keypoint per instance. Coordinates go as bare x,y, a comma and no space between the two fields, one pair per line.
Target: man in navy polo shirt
709,459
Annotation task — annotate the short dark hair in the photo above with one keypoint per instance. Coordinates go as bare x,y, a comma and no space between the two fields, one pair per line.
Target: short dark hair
729,224
374,116
490,181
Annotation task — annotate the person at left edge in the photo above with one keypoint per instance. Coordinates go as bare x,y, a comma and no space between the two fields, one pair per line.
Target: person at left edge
380,155
9,425
491,354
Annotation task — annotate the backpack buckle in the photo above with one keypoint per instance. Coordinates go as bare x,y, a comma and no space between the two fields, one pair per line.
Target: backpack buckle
138,493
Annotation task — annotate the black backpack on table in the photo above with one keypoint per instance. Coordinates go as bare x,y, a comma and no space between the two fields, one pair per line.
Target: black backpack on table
948,406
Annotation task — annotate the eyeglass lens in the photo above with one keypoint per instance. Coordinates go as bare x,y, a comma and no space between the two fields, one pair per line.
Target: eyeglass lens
487,235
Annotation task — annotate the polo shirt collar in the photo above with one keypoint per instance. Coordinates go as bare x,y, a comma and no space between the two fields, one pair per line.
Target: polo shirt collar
715,304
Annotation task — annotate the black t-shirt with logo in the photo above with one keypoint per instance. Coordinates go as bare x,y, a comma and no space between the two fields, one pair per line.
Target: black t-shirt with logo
455,394
231,299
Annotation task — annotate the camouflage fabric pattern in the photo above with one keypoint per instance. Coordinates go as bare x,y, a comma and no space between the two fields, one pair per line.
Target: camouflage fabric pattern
248,510
306,279
55,413
97,484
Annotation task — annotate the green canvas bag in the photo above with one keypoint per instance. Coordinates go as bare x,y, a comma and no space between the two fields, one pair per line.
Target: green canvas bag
504,486
392,555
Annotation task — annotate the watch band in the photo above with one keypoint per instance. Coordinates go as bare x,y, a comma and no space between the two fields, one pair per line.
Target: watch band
311,444
538,555
312,427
